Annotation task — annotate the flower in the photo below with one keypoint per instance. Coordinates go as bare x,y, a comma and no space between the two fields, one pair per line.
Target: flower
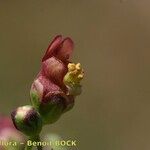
8,133
56,85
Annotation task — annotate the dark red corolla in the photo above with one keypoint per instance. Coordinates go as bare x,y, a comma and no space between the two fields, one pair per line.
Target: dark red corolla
58,82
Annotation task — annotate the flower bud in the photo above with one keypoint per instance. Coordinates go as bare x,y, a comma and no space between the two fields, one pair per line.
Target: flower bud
27,120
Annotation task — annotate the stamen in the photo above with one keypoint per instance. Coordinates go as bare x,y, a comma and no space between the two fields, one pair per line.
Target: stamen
73,78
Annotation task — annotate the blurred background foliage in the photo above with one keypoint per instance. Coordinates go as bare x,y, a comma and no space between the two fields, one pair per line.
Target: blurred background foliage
112,41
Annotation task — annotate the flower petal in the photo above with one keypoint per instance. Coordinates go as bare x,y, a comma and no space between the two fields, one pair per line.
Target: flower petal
55,70
65,50
38,88
52,47
62,49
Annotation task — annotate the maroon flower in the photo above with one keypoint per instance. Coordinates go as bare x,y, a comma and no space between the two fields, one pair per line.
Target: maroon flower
49,93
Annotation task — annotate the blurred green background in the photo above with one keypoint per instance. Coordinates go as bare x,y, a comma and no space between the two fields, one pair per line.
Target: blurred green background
112,41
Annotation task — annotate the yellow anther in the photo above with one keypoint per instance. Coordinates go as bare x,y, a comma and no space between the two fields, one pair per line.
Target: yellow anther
75,73
80,76
73,78
71,67
78,66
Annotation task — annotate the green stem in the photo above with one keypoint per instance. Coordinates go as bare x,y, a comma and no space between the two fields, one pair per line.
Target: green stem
28,147
36,139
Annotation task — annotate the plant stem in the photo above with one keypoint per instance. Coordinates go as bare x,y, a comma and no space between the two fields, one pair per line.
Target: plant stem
37,139
28,147
34,139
